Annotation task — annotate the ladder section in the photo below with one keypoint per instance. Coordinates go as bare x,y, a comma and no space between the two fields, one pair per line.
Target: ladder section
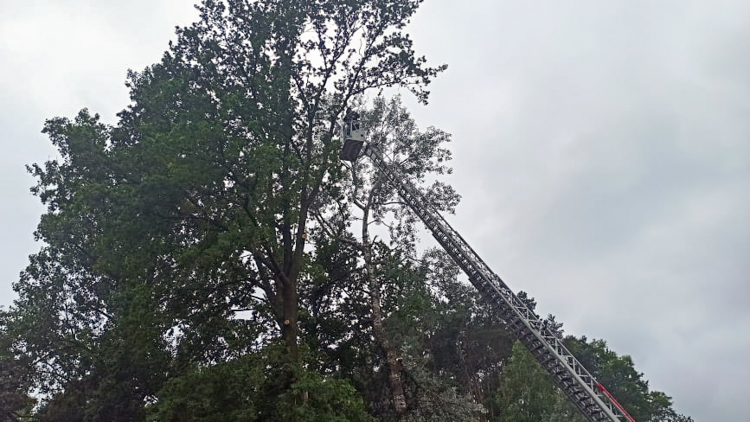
590,397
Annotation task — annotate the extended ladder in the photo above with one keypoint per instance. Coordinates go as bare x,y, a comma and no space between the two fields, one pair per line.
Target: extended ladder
589,396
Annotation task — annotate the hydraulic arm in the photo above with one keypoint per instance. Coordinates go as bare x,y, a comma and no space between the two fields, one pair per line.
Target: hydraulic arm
591,398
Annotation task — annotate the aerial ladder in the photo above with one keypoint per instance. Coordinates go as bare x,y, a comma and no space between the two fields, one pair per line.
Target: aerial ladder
589,396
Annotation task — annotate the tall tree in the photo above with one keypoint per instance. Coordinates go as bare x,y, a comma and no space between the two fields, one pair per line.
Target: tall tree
393,287
273,78
196,204
419,155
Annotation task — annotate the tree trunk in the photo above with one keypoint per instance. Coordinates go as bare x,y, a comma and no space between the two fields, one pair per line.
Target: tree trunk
467,375
289,312
392,358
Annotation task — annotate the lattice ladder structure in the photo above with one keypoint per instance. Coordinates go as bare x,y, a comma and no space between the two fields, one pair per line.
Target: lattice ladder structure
589,396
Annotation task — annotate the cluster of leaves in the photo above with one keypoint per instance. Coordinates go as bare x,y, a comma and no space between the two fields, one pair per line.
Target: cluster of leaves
208,258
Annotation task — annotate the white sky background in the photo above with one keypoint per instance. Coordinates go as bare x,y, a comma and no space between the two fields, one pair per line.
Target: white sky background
602,149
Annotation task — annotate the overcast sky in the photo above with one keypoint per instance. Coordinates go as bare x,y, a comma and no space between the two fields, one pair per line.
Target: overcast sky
602,149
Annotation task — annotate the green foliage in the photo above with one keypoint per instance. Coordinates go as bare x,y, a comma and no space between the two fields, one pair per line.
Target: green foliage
316,398
619,376
243,390
467,341
526,394
15,376
227,391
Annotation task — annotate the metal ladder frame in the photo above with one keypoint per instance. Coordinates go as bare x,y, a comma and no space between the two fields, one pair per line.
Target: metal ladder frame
589,396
